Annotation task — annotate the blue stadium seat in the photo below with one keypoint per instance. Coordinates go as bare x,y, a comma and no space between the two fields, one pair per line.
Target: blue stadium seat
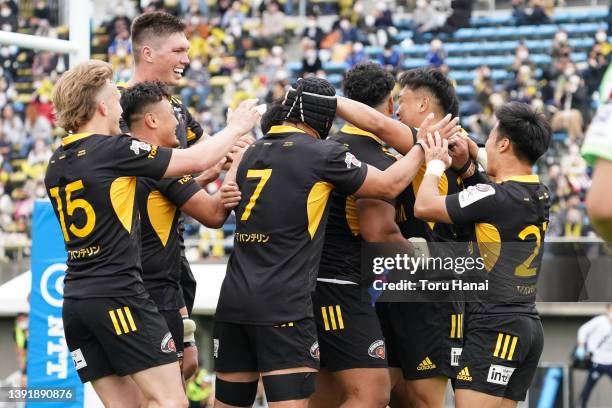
464,90
335,79
335,67
294,67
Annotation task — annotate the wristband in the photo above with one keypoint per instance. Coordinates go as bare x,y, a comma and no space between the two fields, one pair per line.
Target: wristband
189,328
435,167
481,158
469,172
420,144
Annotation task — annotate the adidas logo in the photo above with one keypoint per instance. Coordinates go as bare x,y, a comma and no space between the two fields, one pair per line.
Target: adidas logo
426,365
464,375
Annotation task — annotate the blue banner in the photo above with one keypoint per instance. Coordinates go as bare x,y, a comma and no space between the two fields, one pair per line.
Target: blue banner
50,365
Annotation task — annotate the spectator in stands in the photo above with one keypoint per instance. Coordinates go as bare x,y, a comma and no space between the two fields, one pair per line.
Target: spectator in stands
425,18
312,30
272,24
12,126
311,63
348,33
198,84
560,47
40,154
595,341
120,49
460,16
234,14
390,59
357,55
436,54
191,6
6,149
572,102
518,12
538,13
37,126
8,16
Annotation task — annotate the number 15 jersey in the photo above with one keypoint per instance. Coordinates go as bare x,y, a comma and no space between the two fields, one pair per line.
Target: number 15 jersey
286,179
91,181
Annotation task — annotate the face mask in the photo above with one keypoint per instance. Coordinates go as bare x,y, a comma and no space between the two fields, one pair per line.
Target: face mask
569,72
561,37
5,12
196,65
345,25
312,24
522,54
358,47
601,37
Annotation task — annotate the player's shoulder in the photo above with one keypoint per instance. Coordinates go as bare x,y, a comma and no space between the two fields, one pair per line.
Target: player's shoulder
479,193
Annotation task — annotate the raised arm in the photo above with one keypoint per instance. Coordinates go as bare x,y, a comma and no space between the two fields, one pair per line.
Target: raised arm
206,154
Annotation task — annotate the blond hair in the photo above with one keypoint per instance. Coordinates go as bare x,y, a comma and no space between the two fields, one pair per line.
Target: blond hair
74,95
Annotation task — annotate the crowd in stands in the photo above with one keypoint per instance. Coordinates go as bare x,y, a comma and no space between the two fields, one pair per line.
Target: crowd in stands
243,49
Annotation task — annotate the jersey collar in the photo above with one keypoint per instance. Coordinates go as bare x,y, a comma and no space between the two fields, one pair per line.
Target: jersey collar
284,129
531,178
73,138
352,130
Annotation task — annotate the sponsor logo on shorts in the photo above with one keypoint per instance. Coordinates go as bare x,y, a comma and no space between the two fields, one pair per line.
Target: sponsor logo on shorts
464,374
426,364
78,359
377,349
499,374
455,354
167,344
314,351
216,348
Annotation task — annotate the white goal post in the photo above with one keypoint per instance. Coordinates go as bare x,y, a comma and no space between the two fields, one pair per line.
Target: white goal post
80,13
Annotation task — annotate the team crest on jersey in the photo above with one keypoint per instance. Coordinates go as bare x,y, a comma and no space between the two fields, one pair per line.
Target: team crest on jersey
377,349
475,193
216,348
350,159
167,344
314,350
137,146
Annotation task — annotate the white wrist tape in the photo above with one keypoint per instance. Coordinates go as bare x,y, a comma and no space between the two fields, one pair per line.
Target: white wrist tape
481,158
189,328
420,247
435,167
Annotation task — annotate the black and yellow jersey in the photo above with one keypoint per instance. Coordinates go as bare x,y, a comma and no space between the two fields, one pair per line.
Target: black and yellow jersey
91,181
341,256
410,226
188,130
286,179
159,202
508,221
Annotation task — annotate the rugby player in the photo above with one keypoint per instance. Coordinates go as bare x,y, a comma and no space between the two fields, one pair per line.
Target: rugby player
149,115
353,360
117,338
264,320
424,338
160,54
503,337
597,151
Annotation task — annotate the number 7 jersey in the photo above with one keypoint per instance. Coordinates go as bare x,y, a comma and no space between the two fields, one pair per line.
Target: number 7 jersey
91,181
286,179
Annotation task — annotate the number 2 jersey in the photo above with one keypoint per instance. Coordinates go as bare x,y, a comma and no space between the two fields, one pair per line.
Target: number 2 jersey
509,220
91,181
286,179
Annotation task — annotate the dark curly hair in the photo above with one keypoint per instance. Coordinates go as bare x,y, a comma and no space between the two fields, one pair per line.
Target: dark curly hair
153,25
528,131
272,117
137,99
437,83
368,83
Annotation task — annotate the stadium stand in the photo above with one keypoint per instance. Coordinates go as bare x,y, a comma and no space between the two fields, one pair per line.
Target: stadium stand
235,55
